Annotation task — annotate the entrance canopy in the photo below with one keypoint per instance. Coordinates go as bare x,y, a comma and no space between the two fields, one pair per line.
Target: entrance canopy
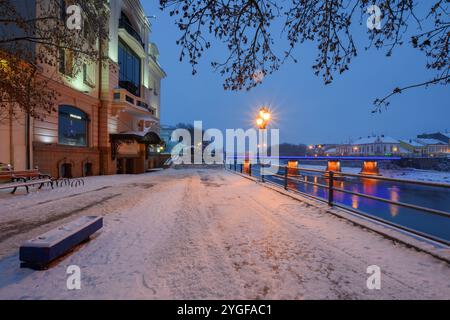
149,138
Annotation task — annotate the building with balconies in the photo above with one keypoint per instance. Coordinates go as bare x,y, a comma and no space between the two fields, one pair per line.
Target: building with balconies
107,116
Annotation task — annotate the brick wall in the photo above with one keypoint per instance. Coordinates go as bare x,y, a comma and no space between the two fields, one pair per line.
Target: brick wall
49,159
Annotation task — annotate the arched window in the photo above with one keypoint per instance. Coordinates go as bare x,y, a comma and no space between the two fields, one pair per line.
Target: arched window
72,126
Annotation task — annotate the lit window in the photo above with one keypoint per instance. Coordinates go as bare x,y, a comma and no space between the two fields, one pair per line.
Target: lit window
66,62
89,75
72,126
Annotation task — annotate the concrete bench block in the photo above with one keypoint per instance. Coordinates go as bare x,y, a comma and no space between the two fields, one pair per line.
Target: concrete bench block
38,253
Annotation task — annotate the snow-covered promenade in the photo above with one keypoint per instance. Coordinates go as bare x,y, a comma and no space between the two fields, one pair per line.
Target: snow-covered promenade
199,234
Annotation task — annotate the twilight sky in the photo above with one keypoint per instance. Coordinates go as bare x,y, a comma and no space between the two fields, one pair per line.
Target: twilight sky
306,110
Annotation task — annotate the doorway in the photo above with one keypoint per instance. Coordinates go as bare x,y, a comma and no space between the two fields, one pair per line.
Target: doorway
66,171
125,166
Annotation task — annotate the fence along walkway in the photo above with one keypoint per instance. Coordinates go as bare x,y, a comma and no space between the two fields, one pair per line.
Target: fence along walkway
326,185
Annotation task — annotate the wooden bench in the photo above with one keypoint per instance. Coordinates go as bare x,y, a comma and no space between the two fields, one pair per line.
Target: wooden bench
38,253
23,183
24,179
28,174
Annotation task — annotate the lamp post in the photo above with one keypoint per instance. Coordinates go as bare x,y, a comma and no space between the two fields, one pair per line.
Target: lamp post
262,121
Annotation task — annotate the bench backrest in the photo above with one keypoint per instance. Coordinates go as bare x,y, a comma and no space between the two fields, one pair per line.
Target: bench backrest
5,175
28,173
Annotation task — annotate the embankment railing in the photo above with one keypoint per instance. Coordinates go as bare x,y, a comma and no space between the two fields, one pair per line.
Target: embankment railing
291,177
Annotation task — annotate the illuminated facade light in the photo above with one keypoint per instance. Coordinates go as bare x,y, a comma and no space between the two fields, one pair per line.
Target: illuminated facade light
74,116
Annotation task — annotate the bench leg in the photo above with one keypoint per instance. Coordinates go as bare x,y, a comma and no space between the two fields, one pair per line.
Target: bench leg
15,189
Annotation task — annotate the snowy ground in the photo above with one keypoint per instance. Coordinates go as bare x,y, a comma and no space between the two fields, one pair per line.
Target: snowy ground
407,174
199,234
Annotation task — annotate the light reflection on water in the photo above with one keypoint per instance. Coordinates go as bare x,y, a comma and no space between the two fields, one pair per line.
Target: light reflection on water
395,196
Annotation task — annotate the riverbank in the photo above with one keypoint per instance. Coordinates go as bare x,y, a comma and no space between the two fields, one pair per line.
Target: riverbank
199,234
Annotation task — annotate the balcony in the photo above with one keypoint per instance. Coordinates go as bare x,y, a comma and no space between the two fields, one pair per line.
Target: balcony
135,105
130,87
123,24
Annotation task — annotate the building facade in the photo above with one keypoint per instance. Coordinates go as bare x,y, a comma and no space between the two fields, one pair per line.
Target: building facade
413,147
371,146
107,116
388,146
433,147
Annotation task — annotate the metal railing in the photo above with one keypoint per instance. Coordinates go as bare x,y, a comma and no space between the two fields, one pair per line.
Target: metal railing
129,28
291,177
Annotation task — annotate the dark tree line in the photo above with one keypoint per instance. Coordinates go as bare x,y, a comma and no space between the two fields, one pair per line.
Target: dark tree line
287,149
245,26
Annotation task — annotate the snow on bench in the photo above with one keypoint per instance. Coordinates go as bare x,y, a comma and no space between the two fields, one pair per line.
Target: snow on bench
38,253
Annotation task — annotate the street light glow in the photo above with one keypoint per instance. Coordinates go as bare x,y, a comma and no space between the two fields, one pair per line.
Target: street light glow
264,118
259,122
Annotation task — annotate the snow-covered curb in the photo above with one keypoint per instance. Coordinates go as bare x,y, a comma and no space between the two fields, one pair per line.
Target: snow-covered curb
435,249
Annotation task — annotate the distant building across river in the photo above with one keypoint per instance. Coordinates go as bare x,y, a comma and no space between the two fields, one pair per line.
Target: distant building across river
424,145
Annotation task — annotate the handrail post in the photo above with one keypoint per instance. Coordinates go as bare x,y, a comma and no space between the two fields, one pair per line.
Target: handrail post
286,178
250,169
262,172
331,188
242,168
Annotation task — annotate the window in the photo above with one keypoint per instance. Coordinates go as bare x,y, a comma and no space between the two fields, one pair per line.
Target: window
130,69
89,74
66,62
155,88
72,126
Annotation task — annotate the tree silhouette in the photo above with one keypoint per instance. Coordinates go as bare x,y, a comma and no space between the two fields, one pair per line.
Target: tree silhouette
245,26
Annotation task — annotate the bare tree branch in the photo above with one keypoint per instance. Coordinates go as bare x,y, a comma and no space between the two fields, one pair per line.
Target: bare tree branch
245,28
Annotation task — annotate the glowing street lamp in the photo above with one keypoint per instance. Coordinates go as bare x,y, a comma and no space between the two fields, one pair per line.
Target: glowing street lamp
264,118
262,121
